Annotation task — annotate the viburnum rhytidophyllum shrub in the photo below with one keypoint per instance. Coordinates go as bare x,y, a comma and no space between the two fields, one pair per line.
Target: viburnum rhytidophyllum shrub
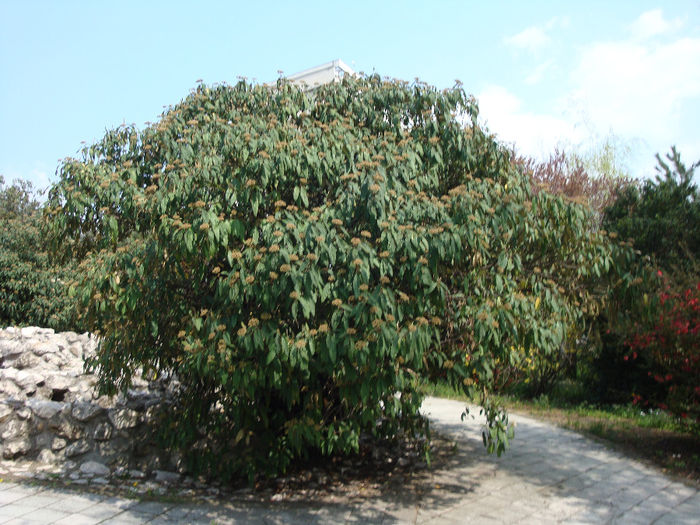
302,260
671,350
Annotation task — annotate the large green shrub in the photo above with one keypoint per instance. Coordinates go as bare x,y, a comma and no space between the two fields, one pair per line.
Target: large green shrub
32,288
300,261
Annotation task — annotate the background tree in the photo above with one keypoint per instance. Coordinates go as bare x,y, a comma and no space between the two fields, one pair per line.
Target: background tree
593,177
663,216
32,289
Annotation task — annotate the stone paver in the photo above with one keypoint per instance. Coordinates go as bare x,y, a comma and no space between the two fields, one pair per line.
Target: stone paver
549,476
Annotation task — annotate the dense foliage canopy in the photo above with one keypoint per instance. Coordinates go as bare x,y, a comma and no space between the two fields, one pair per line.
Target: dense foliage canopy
300,261
32,289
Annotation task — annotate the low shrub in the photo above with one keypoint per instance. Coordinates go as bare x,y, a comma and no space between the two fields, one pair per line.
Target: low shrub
670,351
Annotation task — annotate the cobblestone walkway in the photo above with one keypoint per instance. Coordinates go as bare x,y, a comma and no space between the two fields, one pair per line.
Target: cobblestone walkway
550,476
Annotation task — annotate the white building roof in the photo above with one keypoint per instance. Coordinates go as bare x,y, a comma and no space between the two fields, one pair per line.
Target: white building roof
325,73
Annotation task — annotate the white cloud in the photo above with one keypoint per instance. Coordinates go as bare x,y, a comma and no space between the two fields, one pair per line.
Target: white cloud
37,174
40,179
532,39
638,89
531,133
652,23
538,73
642,87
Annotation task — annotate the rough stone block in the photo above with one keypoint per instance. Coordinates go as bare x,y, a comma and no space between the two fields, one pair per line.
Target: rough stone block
5,412
79,447
102,432
67,428
45,409
94,468
10,348
9,388
123,418
17,447
163,476
44,347
58,444
26,360
46,456
14,429
28,381
24,414
86,411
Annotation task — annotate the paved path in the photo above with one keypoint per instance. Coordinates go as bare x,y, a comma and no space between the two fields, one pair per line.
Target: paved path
549,476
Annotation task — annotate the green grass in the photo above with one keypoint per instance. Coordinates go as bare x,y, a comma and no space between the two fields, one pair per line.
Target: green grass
629,416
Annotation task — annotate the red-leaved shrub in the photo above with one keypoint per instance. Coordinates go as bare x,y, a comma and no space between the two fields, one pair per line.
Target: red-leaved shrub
671,347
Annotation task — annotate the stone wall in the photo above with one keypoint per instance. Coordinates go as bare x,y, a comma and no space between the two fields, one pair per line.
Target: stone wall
53,422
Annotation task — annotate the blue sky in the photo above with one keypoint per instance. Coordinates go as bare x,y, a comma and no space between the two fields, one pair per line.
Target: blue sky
545,73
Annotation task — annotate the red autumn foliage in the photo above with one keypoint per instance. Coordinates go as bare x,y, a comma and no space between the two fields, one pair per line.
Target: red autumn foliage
671,347
566,175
